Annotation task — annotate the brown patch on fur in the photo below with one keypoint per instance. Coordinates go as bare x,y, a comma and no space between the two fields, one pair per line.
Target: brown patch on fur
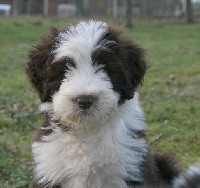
150,170
167,166
158,171
150,173
124,63
39,58
54,75
45,75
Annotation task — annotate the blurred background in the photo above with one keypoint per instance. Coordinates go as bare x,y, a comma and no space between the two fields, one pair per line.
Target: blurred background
110,8
169,30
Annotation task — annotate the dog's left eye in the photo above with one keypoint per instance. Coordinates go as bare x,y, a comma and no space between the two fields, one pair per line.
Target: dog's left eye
67,61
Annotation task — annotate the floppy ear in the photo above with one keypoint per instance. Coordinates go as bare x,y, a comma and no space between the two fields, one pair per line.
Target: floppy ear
135,65
132,59
38,60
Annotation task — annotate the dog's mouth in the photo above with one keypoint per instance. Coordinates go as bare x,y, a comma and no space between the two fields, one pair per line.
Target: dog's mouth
86,117
84,110
80,115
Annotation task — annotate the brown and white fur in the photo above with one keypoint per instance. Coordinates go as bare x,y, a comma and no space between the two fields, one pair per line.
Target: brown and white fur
93,135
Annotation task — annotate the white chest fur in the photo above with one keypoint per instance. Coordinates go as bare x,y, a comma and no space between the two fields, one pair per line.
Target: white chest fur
101,160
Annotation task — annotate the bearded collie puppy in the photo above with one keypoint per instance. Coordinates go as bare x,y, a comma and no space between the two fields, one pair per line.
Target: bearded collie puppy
93,136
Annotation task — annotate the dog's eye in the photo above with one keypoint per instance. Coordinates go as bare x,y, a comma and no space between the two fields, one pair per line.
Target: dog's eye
53,86
98,68
70,62
67,61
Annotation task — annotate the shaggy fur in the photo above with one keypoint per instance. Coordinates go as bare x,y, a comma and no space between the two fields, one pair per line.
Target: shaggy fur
93,135
189,179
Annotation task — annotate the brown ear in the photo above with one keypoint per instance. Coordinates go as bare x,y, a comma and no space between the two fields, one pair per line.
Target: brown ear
135,64
38,60
132,59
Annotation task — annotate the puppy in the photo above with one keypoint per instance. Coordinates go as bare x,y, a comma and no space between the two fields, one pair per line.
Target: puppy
93,136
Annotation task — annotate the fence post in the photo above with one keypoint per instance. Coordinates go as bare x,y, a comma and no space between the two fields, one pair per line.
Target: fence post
189,15
129,23
15,7
115,8
46,8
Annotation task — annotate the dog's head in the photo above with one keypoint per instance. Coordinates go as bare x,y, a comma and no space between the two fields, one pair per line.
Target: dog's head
85,71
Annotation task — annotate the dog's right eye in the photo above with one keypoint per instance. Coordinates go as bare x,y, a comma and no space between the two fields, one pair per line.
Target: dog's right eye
70,62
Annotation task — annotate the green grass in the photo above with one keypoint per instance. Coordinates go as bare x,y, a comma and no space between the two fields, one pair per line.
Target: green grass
170,95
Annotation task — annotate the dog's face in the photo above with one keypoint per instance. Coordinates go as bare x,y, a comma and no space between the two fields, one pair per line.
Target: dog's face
85,71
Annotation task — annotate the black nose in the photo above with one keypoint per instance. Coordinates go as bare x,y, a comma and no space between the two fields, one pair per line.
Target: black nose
85,101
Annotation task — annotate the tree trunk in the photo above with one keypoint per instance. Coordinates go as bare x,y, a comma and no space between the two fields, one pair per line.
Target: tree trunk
15,7
129,23
189,15
29,5
115,8
86,5
144,7
46,8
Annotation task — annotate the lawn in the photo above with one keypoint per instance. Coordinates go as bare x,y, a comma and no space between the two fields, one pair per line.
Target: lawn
170,94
